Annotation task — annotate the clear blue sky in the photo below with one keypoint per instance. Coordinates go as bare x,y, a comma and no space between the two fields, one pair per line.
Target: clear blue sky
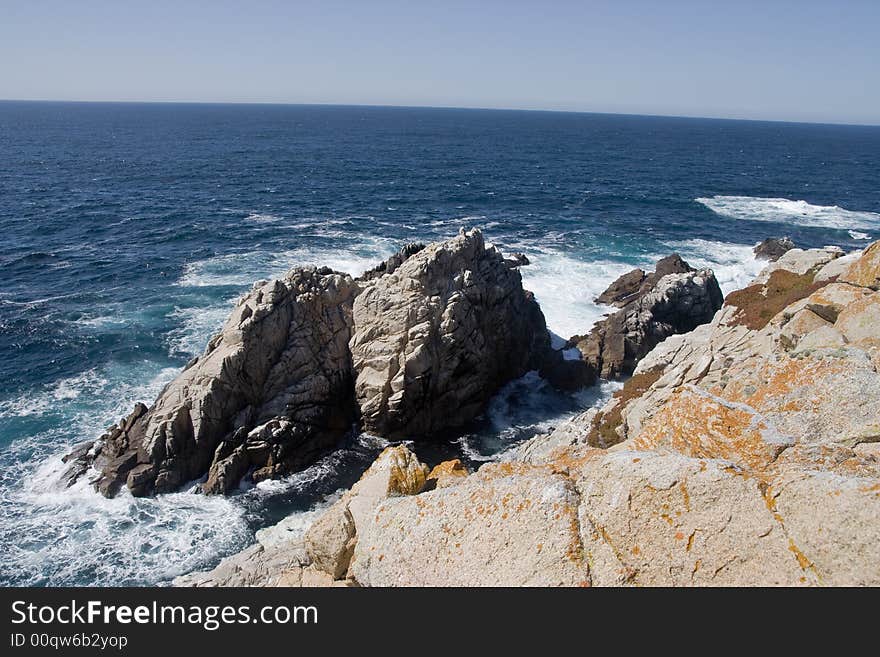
806,60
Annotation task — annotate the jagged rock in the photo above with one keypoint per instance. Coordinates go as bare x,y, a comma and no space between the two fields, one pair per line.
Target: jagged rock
773,248
331,539
272,390
517,260
437,337
676,303
630,286
392,263
499,527
621,291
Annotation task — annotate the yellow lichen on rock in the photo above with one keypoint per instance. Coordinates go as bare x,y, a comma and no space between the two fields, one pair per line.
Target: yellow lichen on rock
447,473
704,426
866,270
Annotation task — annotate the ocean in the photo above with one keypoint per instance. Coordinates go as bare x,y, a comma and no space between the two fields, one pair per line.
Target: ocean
129,229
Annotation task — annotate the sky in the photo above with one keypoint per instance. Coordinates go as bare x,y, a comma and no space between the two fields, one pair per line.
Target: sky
774,59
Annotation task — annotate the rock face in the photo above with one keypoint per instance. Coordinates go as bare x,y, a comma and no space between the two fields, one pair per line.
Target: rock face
773,248
271,391
434,339
673,299
496,528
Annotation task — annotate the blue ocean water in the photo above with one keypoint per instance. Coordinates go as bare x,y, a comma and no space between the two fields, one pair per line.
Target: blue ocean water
127,230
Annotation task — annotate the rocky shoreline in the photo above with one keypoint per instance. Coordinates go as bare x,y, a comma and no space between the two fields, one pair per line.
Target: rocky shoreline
742,450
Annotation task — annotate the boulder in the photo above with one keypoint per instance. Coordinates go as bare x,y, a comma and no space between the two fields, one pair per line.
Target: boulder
674,303
437,337
773,248
621,291
331,539
272,390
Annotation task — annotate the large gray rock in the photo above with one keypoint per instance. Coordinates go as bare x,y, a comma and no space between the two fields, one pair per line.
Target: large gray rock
671,304
773,248
437,337
272,390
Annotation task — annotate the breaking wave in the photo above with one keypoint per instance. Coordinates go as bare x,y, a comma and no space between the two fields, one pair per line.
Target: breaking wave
787,211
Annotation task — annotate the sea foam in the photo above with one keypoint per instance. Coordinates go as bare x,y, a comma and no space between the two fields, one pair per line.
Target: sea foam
735,265
787,211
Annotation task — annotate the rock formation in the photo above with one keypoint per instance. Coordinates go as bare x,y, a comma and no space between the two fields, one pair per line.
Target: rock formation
270,392
437,337
773,248
673,299
746,452
433,332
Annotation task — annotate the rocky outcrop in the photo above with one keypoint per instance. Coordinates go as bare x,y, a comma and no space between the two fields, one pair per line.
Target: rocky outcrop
437,337
746,452
271,391
637,282
430,334
673,299
773,248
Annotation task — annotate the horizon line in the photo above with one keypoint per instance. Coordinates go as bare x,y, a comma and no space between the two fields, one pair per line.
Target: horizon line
438,107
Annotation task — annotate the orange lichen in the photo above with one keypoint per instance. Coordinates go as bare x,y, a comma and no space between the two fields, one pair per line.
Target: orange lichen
685,496
703,427
603,429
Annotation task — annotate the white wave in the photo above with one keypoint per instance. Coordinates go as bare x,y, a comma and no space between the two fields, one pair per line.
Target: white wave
856,235
196,325
70,536
261,218
565,288
471,220
60,536
242,269
735,265
787,211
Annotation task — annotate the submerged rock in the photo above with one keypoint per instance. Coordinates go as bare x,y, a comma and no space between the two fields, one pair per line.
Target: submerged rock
435,339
